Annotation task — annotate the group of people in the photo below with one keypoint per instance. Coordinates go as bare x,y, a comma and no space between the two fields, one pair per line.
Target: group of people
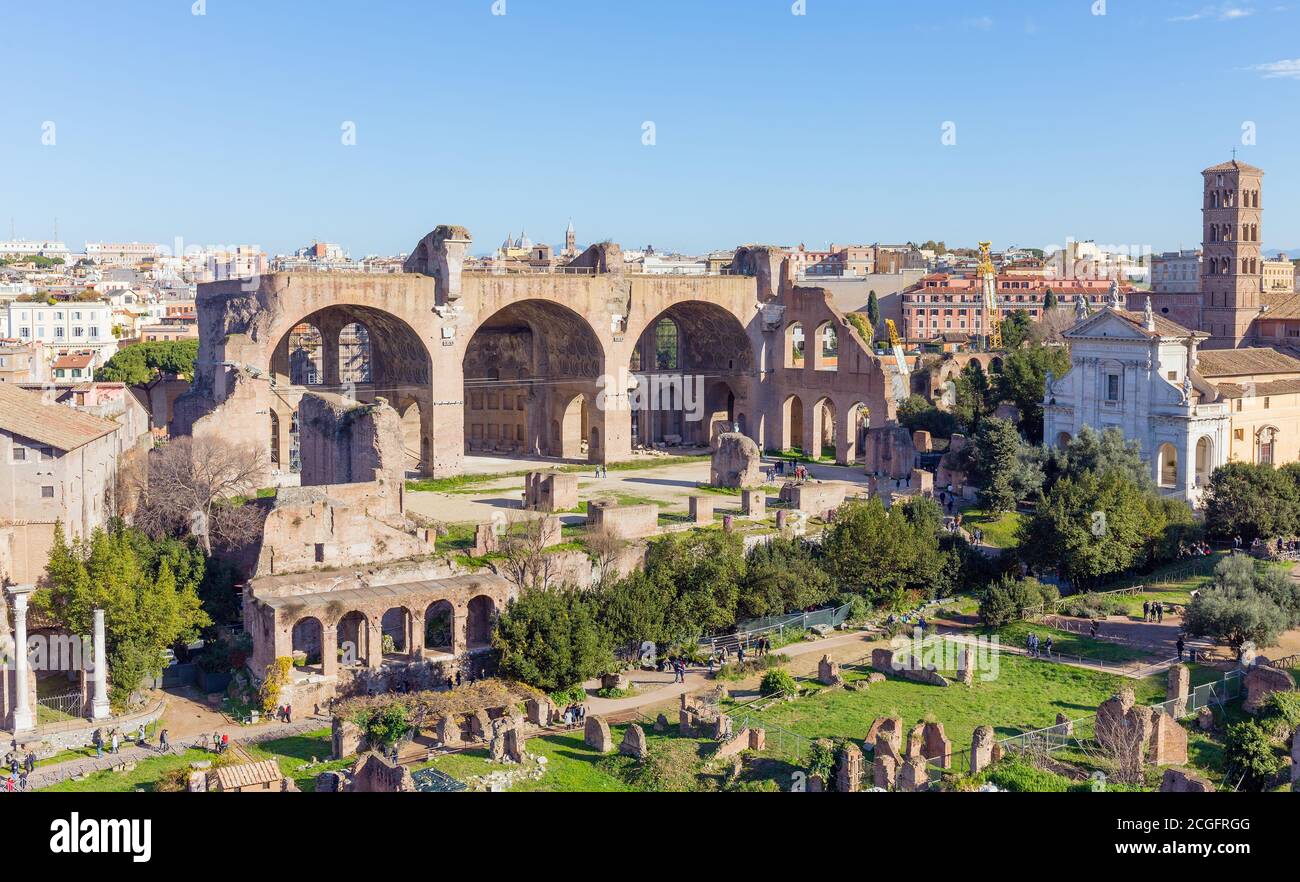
602,471
284,713
1153,611
574,715
1037,649
18,771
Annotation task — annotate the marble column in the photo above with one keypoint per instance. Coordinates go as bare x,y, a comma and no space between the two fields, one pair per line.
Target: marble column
23,716
99,709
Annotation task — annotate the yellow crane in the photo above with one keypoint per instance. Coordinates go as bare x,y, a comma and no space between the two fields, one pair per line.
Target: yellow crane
988,276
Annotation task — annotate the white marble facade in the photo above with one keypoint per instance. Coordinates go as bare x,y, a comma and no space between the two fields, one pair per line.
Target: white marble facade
1137,372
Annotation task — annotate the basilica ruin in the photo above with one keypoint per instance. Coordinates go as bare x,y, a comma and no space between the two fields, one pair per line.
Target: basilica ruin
354,382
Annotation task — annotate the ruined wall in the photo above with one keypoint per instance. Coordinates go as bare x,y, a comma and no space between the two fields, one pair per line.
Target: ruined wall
347,442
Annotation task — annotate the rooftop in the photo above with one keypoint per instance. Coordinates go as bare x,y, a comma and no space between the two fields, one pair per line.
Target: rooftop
1243,362
26,413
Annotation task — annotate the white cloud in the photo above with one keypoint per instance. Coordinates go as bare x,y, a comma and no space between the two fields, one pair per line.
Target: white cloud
1287,68
1225,12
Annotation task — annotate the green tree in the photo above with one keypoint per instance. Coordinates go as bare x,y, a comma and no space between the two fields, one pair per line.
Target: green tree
701,572
1253,501
147,608
873,309
138,364
1093,451
782,576
975,397
1089,527
1001,466
1015,329
549,638
1023,382
1250,753
1049,300
1244,604
882,553
634,610
915,412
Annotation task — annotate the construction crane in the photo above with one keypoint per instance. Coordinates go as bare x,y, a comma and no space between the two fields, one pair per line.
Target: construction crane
988,276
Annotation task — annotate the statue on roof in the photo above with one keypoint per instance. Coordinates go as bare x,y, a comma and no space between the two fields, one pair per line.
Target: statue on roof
1081,307
1149,315
1187,388
1115,302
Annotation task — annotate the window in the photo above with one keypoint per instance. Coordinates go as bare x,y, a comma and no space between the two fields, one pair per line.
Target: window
1173,375
20,453
47,492
1112,387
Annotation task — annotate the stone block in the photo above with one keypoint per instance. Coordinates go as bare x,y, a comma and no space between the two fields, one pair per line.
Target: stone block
981,749
1262,681
634,743
753,503
596,735
736,462
701,509
1184,781
1178,688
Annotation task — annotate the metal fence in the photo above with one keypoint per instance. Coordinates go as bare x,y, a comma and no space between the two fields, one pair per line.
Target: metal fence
69,704
751,630
1071,733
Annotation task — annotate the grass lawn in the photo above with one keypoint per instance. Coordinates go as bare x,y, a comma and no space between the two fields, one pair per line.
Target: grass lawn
1068,643
143,777
472,483
1023,696
999,530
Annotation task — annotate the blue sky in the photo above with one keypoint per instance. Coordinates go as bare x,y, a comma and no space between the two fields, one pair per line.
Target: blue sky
226,127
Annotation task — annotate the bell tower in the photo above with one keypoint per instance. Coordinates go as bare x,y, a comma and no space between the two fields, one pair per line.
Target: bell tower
1231,262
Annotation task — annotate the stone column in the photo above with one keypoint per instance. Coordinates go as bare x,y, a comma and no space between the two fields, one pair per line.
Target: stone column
23,717
415,642
99,709
329,649
374,643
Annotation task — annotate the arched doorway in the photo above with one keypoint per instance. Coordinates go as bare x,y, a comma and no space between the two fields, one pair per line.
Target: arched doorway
1204,460
307,641
353,632
440,627
826,353
480,616
692,371
529,370
856,422
794,346
1168,465
824,435
357,351
394,629
305,355
275,441
412,433
792,424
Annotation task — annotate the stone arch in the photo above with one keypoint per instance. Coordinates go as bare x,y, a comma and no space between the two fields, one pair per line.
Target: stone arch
440,627
412,432
853,432
354,353
393,357
826,348
795,346
995,364
1204,460
308,637
480,616
709,380
823,435
1167,465
792,420
524,367
305,355
353,632
395,629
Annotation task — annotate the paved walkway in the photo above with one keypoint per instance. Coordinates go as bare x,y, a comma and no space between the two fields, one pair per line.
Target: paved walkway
129,752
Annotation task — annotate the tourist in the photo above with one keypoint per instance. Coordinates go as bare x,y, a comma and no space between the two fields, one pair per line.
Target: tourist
225,742
13,764
1048,646
22,781
1146,610
162,741
113,741
1094,629
1180,645
98,740
9,784
30,762
1160,612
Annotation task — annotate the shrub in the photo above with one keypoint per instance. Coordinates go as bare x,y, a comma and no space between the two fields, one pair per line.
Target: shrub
778,682
384,726
1249,753
1281,714
1007,599
821,758
277,674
